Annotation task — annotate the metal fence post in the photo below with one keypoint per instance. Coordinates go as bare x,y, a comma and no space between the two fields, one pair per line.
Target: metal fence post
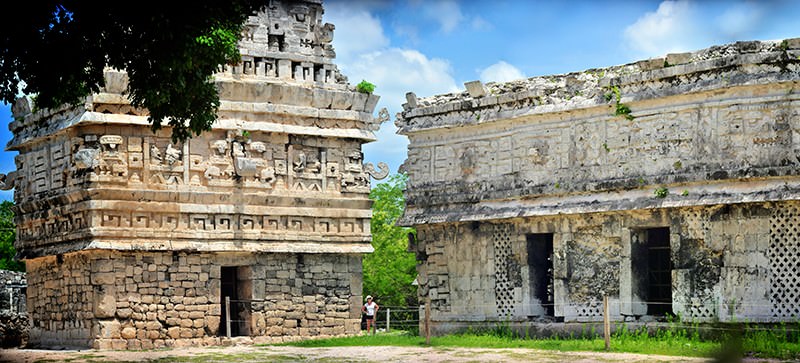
228,316
606,323
428,321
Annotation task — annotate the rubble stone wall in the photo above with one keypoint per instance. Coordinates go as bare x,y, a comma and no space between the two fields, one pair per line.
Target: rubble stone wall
13,312
730,263
145,300
61,300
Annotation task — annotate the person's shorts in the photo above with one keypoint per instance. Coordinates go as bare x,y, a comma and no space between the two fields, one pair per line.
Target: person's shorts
370,317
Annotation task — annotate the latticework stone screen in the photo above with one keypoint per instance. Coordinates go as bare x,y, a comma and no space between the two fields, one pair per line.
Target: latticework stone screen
784,262
504,287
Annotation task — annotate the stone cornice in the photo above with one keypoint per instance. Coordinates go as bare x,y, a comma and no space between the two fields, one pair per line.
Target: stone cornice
742,63
696,195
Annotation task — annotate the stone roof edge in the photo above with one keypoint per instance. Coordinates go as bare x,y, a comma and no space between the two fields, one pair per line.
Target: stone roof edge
729,192
88,118
535,89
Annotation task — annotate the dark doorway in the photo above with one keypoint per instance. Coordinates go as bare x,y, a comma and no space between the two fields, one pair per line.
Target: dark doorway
659,272
235,284
540,264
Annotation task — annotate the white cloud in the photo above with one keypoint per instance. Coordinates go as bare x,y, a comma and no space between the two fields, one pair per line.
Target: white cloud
671,28
364,52
357,30
396,71
684,25
500,72
479,23
739,19
445,12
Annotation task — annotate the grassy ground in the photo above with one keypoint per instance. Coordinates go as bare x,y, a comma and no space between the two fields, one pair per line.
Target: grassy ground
762,344
674,347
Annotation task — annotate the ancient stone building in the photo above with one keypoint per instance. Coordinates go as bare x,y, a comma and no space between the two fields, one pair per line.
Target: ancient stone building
133,241
670,185
13,314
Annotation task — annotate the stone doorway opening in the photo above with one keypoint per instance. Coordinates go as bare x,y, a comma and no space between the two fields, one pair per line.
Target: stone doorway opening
652,266
235,283
540,265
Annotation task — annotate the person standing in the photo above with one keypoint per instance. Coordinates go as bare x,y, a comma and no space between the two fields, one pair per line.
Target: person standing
370,308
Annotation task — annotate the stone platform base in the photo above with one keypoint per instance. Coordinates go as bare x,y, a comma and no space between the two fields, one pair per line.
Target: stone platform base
147,300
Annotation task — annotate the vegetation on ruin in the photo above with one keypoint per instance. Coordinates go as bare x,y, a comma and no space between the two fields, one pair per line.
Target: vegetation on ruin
620,109
8,234
365,87
56,50
390,270
661,192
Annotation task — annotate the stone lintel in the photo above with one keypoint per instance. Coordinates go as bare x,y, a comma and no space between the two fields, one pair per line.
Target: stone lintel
727,192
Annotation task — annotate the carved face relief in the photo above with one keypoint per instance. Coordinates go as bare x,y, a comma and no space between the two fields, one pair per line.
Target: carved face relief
258,146
354,157
220,146
300,13
155,155
172,154
86,159
468,161
537,153
299,162
110,142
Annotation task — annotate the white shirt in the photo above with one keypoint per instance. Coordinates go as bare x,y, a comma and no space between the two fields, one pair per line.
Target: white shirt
370,306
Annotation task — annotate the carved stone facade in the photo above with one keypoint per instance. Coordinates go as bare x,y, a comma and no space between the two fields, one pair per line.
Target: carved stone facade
130,237
669,185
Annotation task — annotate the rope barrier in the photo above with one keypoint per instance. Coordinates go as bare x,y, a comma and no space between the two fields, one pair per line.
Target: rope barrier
409,317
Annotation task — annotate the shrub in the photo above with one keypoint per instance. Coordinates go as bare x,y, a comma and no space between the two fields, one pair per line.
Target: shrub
365,87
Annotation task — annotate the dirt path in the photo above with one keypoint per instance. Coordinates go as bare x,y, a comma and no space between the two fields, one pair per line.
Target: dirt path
247,354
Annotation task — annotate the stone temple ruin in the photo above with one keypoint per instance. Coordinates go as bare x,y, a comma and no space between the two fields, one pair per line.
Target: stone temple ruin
670,185
134,242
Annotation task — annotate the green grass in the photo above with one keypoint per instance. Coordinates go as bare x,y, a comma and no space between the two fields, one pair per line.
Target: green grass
780,342
670,342
632,344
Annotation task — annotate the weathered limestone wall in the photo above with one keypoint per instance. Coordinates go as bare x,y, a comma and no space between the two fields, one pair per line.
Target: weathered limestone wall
726,114
603,162
730,263
183,194
146,300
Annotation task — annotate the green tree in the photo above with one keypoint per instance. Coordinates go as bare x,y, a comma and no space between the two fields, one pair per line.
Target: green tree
60,47
8,234
390,270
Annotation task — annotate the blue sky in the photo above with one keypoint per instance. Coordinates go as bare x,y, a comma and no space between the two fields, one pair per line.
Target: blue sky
434,46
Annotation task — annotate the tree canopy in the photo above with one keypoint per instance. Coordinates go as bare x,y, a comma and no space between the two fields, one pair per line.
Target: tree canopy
8,234
390,270
58,48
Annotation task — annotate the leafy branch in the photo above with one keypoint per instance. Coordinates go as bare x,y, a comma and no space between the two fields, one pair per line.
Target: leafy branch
620,109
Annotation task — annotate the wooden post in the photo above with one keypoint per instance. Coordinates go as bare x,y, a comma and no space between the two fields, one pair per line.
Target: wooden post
428,321
606,323
228,316
388,319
